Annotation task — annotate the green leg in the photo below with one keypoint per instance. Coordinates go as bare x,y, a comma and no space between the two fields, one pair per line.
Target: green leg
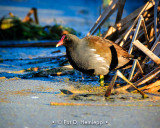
101,80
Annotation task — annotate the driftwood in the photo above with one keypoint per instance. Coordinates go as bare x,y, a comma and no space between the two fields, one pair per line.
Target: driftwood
147,52
144,61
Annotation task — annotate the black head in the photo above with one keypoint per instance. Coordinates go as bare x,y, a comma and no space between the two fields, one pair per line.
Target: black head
68,40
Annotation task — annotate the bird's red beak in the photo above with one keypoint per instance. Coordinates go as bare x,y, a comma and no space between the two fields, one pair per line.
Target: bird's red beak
61,41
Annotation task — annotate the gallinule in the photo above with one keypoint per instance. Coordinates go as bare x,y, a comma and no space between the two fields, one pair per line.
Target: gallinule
94,55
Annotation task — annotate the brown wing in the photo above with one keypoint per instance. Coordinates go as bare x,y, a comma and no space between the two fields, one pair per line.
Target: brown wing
103,46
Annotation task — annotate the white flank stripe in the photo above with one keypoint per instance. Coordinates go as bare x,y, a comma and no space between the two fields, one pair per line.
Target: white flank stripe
103,68
93,50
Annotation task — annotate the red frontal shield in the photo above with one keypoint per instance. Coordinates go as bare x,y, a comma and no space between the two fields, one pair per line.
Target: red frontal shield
61,41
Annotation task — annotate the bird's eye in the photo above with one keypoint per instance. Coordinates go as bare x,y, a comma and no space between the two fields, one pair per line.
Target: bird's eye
66,38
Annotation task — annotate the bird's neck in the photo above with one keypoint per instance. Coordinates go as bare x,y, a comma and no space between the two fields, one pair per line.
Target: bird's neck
73,44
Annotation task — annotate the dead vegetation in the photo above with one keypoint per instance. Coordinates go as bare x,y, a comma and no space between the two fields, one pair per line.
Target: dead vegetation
139,32
14,28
